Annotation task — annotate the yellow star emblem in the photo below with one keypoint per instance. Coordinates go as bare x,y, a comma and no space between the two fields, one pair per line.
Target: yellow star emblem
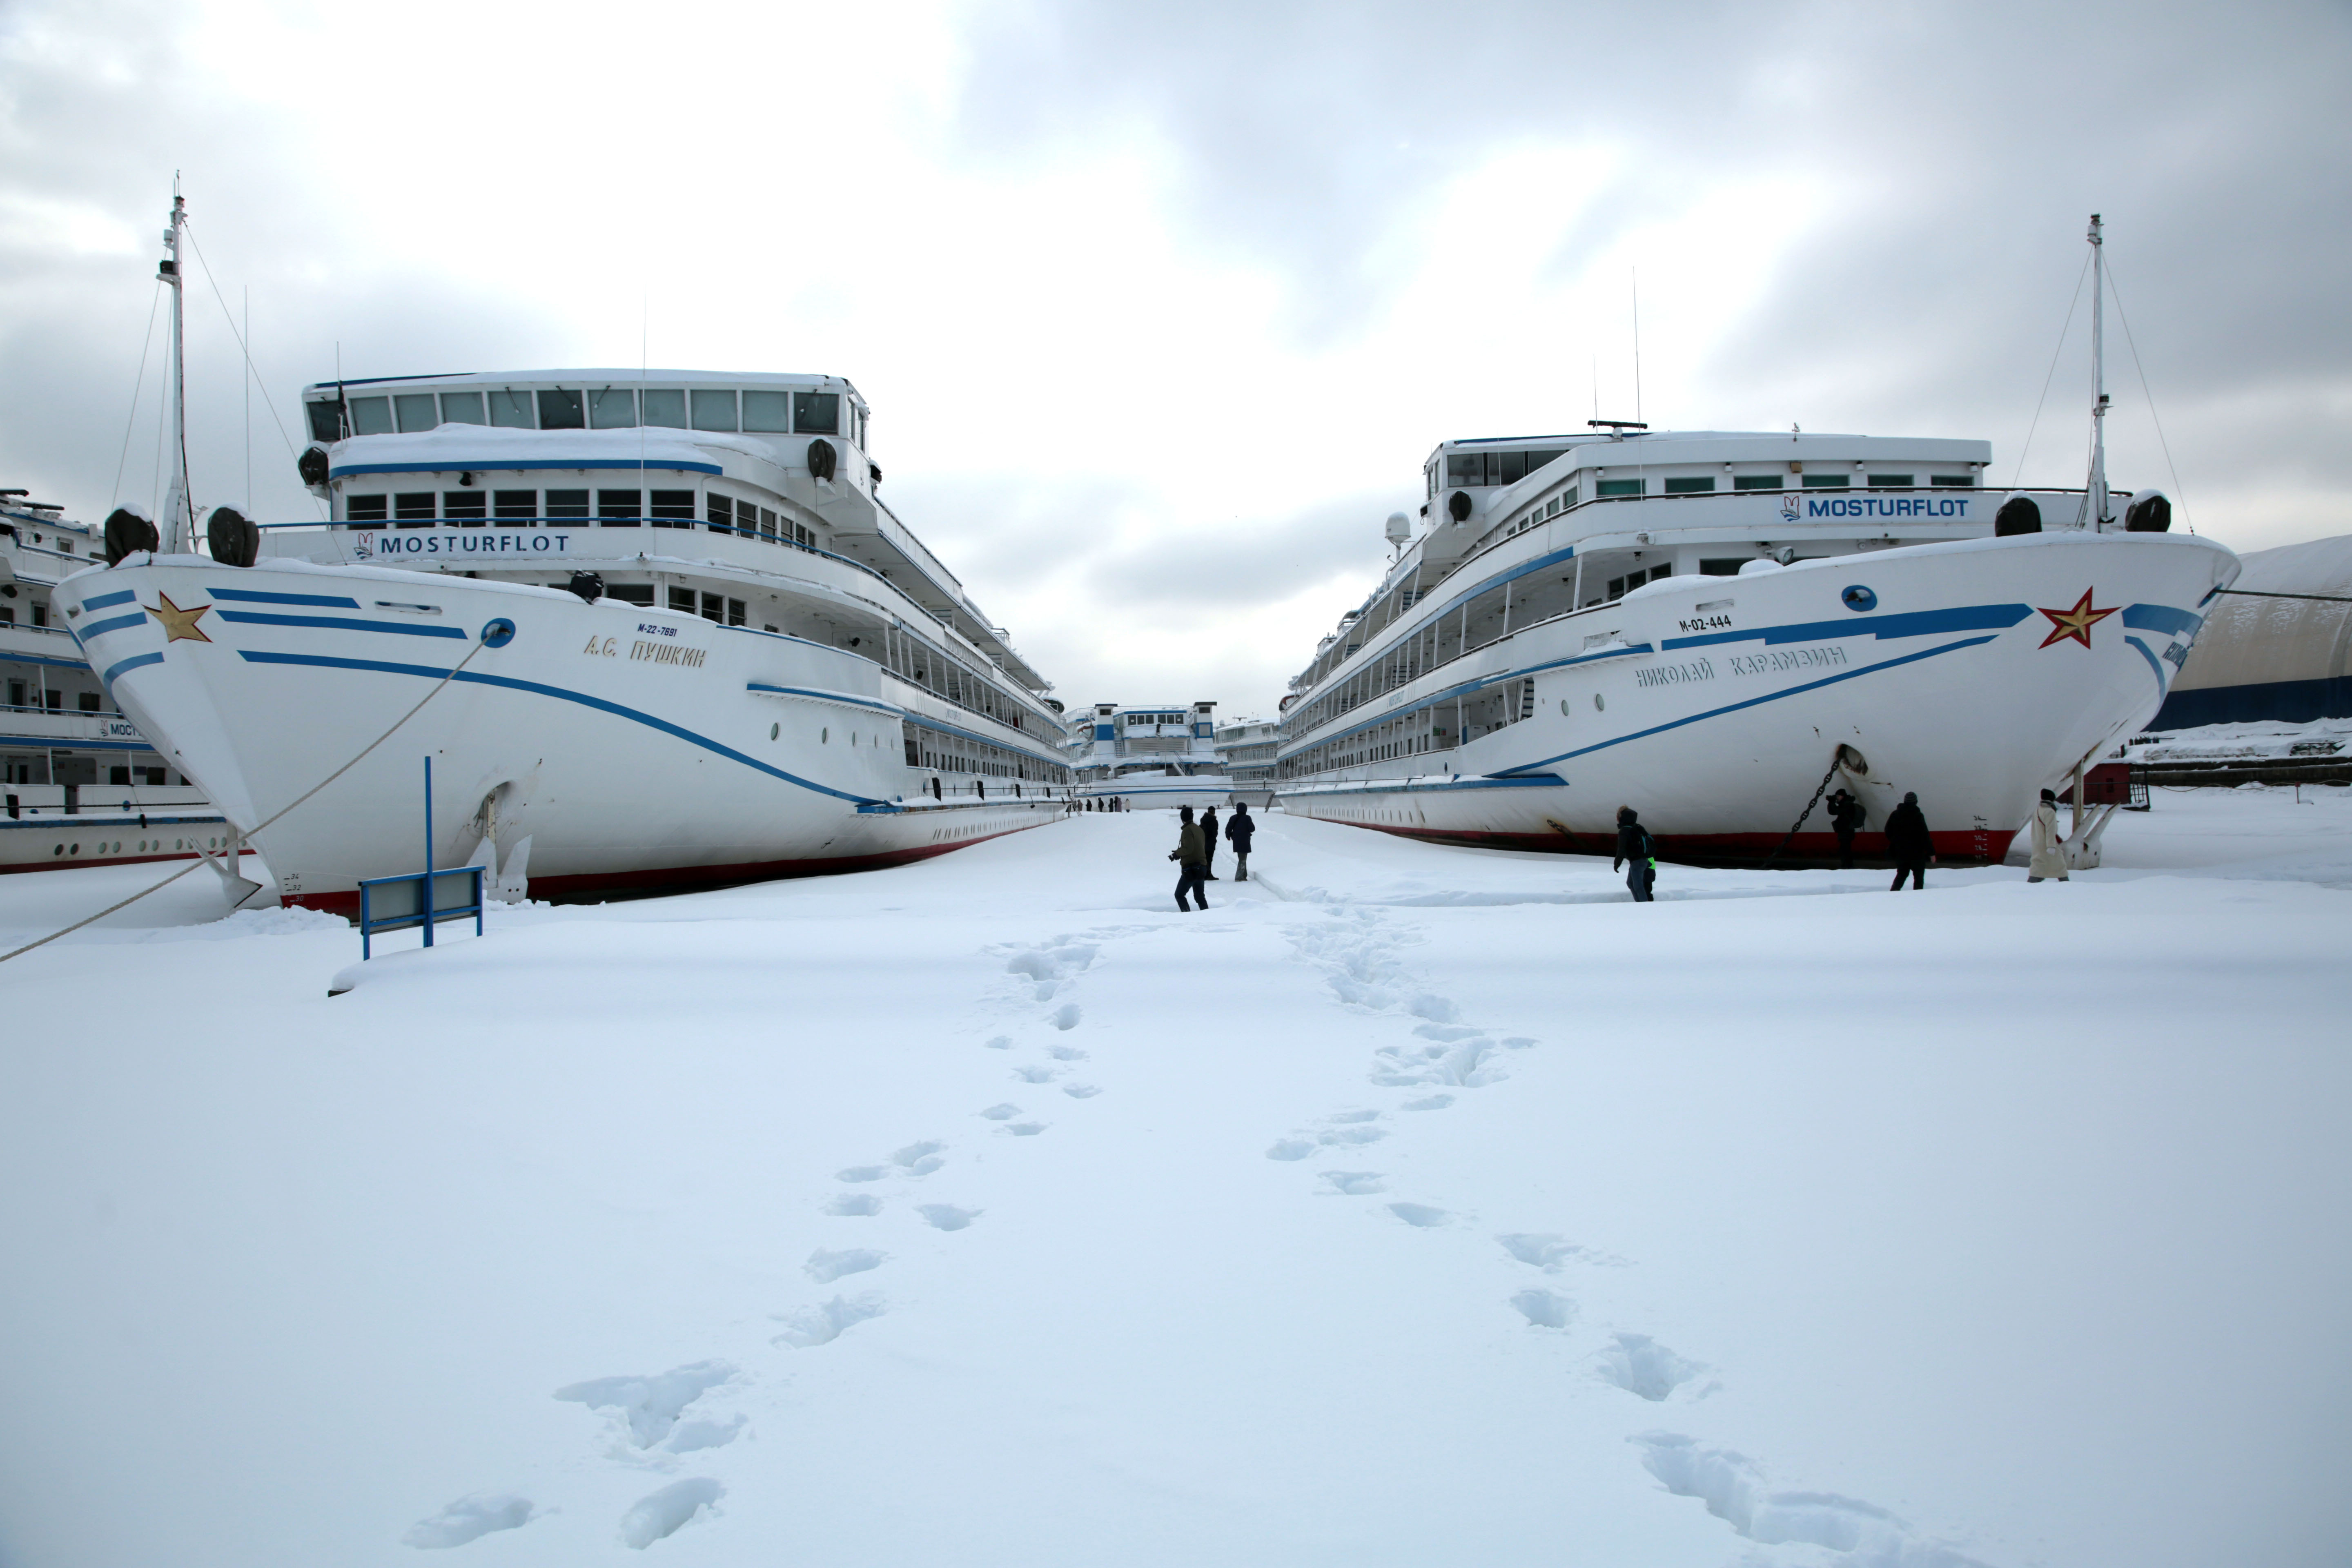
179,624
2074,624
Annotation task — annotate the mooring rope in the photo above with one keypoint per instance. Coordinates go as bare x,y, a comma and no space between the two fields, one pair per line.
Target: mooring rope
204,858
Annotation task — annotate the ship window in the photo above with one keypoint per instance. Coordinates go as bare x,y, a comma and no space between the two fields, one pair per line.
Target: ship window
562,506
467,509
734,612
767,411
461,408
714,609
1506,467
512,410
767,523
1620,488
1728,567
1567,497
1616,587
664,406
87,701
673,508
364,508
613,409
1893,481
413,508
417,410
718,512
523,504
371,416
1827,481
714,411
1755,481
561,410
682,599
640,594
1953,481
1690,486
816,412
1551,507
326,422
1465,468
619,509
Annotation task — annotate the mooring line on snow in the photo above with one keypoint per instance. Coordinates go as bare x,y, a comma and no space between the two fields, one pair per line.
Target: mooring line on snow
232,855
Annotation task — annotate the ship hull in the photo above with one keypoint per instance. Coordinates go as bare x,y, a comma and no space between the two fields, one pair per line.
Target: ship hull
577,747
1722,709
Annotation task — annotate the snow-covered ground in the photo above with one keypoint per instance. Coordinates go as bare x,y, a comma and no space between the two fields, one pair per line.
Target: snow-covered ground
1411,1206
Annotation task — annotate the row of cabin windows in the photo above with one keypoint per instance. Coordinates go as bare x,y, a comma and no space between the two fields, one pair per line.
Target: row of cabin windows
598,408
21,695
716,608
570,508
40,614
1705,484
24,770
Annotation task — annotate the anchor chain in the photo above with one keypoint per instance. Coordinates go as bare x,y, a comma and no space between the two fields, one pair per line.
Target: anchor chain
1819,790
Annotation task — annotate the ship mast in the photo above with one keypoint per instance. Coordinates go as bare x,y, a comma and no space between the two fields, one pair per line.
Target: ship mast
2097,497
179,515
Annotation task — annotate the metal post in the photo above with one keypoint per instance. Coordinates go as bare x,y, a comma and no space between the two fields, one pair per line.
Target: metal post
427,896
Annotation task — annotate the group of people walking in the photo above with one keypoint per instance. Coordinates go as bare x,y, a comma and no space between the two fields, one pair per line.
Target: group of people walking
1196,851
1909,844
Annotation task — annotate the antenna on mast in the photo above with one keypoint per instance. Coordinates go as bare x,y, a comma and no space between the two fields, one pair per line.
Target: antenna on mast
1637,343
178,520
2096,498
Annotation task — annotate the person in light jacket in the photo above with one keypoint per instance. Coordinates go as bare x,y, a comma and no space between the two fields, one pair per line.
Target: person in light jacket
1239,829
2049,849
1910,843
1191,862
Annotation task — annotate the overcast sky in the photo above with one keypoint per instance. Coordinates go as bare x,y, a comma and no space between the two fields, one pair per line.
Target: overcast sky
1160,307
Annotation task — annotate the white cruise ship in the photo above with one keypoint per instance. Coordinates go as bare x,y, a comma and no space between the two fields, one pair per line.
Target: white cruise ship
1715,628
1148,756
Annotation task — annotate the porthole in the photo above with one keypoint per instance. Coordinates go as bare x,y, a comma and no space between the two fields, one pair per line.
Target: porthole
824,737
1563,707
58,850
1598,702
775,731
73,849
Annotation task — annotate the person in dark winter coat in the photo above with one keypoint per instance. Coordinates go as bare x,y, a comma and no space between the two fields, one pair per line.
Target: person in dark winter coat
1845,815
1191,862
1239,828
1209,843
1636,853
1908,842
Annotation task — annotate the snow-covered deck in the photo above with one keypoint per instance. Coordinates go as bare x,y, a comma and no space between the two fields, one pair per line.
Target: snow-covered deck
1414,1206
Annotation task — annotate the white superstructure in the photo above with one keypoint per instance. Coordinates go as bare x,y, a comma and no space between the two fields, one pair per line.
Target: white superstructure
1713,628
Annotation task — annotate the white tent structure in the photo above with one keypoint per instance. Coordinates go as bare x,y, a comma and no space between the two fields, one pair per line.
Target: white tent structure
2282,659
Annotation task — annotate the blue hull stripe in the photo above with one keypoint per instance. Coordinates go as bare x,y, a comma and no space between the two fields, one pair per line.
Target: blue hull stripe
107,601
113,624
451,465
426,671
762,686
1464,687
134,662
2162,618
37,658
337,622
1499,781
322,601
1916,624
1751,702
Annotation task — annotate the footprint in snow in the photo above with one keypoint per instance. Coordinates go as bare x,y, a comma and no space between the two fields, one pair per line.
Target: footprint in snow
693,1437
1080,1090
1342,1117
1290,1149
1004,1112
920,1158
1066,1053
1420,1216
1066,1016
1025,1129
947,1217
650,1405
824,1267
822,1324
1351,1137
862,1174
1428,1102
1036,1075
469,1518
665,1512
1641,1366
855,1204
1733,1488
1355,1184
1544,1309
1001,1043
1544,1252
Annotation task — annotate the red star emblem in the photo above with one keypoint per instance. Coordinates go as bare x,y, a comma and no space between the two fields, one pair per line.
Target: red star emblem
2075,623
